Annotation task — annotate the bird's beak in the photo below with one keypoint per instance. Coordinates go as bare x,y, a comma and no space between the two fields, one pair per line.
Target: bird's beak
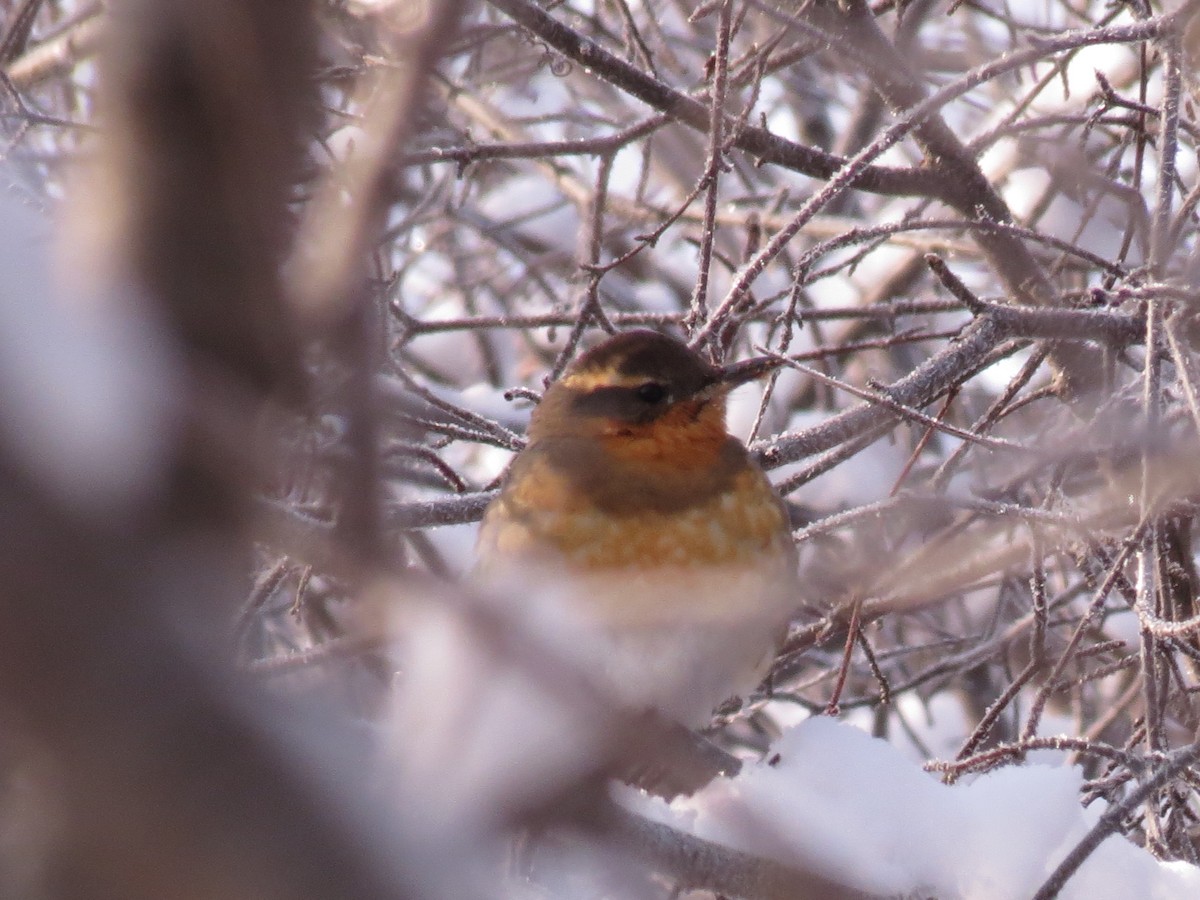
727,378
730,377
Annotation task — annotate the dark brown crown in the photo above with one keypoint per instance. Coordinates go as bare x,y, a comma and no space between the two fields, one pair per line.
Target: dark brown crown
650,355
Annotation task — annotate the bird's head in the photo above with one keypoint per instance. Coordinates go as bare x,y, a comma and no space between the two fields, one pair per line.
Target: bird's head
642,394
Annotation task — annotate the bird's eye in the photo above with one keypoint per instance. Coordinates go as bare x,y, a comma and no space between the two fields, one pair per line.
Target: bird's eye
652,392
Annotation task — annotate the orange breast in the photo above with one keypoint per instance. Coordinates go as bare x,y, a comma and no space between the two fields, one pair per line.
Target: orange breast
542,516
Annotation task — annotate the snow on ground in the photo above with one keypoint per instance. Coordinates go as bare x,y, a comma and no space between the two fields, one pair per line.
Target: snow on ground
856,809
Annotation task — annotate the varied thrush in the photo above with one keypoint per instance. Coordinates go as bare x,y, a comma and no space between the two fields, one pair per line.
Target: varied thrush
635,514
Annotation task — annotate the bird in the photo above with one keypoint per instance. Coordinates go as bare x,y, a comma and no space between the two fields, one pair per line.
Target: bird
636,523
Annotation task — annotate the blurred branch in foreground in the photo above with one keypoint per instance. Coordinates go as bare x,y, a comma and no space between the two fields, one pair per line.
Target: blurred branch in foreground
172,776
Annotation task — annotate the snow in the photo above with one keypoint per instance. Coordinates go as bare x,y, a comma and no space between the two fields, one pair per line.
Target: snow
855,807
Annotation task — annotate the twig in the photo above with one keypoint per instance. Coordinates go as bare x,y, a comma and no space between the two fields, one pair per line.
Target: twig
899,408
713,164
1171,47
699,864
1112,819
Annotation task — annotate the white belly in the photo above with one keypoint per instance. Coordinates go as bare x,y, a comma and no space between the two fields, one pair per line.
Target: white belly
681,641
